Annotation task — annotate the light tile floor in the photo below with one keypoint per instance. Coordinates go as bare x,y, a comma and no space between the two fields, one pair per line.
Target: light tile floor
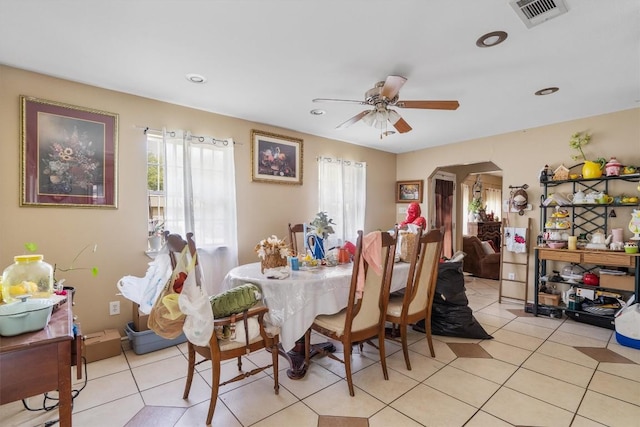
539,371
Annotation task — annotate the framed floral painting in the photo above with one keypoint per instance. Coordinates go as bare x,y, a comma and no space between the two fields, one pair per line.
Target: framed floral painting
275,158
68,155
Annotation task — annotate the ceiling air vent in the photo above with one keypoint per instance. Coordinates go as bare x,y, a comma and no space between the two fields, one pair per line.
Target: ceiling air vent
535,12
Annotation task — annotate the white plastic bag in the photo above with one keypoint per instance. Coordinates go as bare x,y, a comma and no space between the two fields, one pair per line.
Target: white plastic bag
198,326
145,290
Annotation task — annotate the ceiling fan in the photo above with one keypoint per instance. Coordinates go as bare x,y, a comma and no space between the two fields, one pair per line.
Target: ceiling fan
382,96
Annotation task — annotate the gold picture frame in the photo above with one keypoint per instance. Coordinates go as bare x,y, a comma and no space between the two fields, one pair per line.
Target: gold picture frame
276,158
409,191
69,155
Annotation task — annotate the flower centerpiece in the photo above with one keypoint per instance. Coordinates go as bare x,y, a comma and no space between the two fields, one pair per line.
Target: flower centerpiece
320,228
591,169
273,252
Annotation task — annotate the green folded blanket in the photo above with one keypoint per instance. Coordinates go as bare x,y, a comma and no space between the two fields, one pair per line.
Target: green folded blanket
235,300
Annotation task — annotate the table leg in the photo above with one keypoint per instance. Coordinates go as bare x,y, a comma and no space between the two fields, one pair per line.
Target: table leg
295,357
64,383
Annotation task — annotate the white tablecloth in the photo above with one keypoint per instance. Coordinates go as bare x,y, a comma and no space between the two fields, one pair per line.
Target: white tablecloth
295,302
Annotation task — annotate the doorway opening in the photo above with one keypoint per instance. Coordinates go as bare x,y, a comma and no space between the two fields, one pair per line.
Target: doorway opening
451,210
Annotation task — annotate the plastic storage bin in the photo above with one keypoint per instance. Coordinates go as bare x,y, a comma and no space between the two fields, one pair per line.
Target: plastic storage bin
148,341
28,275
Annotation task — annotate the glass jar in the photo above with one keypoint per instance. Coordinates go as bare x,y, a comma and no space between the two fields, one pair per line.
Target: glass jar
28,275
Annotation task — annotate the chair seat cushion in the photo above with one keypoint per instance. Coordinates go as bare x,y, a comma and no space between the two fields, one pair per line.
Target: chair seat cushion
395,306
235,300
332,322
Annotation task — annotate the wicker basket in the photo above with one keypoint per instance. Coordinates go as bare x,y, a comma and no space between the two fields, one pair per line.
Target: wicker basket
408,241
272,261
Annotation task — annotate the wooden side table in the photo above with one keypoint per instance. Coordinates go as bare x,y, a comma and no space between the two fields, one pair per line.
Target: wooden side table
39,362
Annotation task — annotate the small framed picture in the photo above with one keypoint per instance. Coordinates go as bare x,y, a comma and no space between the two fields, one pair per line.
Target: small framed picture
69,155
276,158
409,191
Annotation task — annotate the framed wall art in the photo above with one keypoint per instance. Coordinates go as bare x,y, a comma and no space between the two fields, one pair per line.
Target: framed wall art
276,158
68,155
409,191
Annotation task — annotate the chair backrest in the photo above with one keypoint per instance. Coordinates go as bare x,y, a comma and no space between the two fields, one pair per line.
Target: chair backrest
175,243
369,310
423,272
294,239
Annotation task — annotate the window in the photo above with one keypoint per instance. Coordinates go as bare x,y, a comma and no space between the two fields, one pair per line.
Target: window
342,194
200,193
494,201
155,184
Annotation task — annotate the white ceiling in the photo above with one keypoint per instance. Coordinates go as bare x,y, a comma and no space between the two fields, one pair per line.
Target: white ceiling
265,60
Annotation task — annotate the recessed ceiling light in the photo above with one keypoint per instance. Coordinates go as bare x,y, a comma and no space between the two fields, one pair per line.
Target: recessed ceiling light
491,39
196,78
547,91
317,112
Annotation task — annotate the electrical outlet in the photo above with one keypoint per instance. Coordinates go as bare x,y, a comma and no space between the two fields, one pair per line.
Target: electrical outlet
114,308
512,276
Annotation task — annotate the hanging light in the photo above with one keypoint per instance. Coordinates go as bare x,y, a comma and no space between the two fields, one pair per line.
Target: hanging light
394,117
370,118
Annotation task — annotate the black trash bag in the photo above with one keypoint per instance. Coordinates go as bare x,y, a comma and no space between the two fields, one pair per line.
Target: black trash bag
455,321
450,314
450,284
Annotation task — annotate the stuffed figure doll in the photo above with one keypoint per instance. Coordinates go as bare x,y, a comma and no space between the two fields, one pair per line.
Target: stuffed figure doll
413,217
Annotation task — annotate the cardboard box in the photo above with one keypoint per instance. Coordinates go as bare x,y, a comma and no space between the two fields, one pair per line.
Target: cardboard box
101,345
139,319
548,299
623,283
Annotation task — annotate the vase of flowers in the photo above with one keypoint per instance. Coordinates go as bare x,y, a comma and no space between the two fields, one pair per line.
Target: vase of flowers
320,227
273,252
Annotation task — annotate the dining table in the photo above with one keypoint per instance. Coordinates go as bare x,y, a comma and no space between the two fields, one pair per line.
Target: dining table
296,300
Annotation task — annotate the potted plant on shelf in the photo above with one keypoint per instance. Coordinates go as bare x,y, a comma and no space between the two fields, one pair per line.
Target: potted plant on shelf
474,208
590,169
156,234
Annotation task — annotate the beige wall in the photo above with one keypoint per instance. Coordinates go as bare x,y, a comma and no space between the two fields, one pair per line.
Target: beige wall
521,155
121,234
263,209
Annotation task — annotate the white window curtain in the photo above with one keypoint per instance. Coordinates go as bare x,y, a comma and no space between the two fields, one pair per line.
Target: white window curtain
493,201
342,188
465,208
201,197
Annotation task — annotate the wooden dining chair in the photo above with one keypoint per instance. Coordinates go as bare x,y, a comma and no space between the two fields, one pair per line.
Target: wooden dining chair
220,349
417,300
224,348
295,234
363,317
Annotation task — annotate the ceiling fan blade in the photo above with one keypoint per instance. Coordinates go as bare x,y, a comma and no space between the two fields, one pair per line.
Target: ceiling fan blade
431,105
398,122
338,100
353,119
402,126
392,86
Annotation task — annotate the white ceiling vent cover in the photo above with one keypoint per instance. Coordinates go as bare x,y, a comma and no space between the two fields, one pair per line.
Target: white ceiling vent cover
535,12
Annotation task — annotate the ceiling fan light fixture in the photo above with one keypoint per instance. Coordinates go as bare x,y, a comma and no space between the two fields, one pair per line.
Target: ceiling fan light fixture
491,39
394,117
370,118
